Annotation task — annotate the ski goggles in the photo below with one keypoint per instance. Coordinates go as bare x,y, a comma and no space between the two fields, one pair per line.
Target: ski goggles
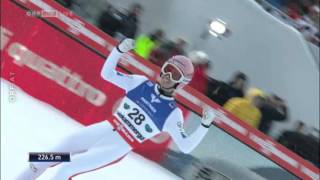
173,71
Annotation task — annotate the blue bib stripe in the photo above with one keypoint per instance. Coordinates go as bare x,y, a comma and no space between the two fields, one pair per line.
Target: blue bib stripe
157,108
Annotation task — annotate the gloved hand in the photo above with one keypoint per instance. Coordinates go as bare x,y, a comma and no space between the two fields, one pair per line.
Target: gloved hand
208,116
126,45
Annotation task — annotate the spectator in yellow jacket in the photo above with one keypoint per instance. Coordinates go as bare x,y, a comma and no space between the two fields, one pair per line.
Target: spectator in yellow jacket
147,43
247,109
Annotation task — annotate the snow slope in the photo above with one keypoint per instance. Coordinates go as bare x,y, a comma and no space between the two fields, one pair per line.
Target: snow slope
28,125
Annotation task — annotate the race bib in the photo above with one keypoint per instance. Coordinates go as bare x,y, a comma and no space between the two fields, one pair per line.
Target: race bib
137,122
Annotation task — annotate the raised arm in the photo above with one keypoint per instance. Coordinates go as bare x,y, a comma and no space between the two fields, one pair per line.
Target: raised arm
109,72
186,143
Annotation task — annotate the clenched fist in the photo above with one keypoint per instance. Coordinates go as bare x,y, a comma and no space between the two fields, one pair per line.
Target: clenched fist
126,45
208,116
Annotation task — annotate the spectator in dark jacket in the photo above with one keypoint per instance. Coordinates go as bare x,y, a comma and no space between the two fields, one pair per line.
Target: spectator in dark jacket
274,109
159,55
65,3
301,142
120,25
110,21
221,92
130,22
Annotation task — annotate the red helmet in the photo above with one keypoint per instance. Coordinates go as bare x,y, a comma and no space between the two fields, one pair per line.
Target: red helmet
180,69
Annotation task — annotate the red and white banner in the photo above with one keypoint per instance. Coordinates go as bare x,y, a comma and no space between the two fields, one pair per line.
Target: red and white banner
53,67
56,56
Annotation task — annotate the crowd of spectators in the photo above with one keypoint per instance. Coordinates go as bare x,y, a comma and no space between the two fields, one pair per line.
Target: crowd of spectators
120,24
303,141
252,105
301,14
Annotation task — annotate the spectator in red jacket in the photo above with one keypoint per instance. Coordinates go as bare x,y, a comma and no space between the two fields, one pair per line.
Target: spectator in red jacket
200,61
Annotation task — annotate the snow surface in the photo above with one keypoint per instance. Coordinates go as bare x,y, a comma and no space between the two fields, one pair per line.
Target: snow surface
28,125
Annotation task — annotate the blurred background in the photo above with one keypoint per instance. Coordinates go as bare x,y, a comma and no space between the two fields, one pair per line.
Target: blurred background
262,64
270,47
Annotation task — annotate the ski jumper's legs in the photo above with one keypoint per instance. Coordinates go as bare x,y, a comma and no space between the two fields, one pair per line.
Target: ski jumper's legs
108,150
93,136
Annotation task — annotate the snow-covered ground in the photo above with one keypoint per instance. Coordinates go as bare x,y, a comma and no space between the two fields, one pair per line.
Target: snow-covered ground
28,125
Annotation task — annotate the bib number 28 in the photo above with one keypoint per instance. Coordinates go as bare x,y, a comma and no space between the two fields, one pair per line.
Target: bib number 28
136,116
